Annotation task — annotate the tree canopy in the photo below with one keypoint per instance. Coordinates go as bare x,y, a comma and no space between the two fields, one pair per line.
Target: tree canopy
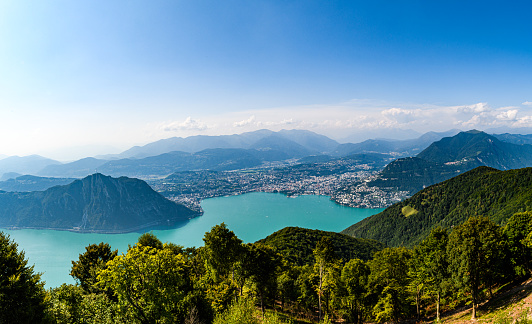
22,295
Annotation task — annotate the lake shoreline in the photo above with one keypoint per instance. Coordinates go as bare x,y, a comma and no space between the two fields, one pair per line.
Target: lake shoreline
141,228
251,217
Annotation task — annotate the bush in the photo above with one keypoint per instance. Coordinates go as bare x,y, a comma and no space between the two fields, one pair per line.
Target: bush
241,312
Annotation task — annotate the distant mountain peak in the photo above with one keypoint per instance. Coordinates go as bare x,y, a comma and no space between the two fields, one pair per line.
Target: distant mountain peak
451,156
474,131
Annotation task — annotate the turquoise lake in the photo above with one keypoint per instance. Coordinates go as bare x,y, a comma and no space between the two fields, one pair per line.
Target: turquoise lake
251,216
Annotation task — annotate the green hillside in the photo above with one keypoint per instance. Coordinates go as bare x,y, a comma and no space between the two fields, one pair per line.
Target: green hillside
413,174
296,245
482,191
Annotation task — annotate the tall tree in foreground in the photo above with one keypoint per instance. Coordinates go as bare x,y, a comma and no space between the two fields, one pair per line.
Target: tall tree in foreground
430,265
354,277
388,279
325,261
22,292
222,250
262,265
90,263
474,251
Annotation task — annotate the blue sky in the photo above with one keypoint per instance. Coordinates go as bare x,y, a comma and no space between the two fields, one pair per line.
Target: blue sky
101,76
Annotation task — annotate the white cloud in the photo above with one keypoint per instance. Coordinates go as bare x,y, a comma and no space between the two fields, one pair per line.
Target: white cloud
480,107
510,114
245,122
356,116
400,115
287,122
527,103
189,125
280,123
525,121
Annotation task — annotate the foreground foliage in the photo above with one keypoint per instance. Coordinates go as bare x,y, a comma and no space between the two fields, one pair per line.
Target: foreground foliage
22,296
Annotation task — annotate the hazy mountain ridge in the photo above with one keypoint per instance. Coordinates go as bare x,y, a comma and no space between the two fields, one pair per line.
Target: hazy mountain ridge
263,146
77,169
514,138
31,164
483,191
168,163
290,148
309,140
399,148
28,183
96,203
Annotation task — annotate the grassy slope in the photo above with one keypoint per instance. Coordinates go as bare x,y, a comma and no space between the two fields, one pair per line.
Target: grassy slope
510,304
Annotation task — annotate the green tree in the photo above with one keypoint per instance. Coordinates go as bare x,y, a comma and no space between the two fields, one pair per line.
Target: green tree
70,304
307,281
287,288
354,278
518,227
221,253
149,239
263,266
474,251
92,261
429,266
22,295
326,264
222,250
389,279
151,285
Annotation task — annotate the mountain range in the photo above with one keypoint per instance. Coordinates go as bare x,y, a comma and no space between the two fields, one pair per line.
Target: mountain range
399,148
31,164
306,142
454,155
97,203
435,156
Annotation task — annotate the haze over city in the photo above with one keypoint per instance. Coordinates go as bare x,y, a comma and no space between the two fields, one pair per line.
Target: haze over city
81,78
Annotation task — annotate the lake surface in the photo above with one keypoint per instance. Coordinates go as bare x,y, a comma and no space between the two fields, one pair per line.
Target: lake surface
251,216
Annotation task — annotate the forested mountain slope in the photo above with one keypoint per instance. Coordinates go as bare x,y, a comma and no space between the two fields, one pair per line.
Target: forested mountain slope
96,203
296,244
482,191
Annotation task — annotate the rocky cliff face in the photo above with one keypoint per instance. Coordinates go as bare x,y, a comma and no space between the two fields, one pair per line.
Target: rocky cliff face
96,203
